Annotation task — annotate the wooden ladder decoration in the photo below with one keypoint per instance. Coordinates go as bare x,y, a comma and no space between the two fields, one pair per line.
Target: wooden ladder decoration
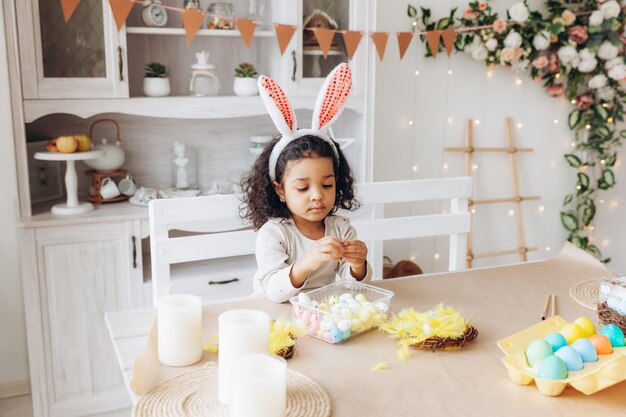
517,199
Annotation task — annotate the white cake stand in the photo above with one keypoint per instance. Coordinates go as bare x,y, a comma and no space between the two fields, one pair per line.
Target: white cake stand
72,205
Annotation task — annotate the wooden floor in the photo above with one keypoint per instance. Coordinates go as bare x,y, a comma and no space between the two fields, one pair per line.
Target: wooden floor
22,407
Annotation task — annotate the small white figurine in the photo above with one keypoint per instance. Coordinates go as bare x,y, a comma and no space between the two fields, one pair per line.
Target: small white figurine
181,161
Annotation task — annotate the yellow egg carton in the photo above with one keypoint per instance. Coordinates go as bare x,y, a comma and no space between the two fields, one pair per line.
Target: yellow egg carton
595,376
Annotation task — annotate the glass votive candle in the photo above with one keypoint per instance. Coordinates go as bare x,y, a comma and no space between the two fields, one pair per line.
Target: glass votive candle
259,386
240,333
179,318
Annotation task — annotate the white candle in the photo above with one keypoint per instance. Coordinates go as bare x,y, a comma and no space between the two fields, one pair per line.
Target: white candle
179,320
259,387
241,333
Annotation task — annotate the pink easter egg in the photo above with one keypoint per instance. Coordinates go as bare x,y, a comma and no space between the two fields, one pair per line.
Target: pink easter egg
306,316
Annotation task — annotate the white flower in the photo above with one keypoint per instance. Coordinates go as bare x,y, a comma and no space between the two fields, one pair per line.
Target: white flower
610,9
476,42
520,65
513,40
607,51
479,53
613,62
519,12
618,72
588,61
596,18
491,44
605,93
567,54
597,81
541,41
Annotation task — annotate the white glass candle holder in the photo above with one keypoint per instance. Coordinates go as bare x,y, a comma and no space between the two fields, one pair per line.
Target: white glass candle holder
179,320
241,333
259,387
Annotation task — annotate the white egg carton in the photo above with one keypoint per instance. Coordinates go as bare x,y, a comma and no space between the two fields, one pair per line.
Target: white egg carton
337,312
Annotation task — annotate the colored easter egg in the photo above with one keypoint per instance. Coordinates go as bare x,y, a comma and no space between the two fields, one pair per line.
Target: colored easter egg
320,333
327,335
615,335
588,328
361,298
552,367
569,355
556,340
346,334
537,350
586,350
344,325
336,335
353,304
324,307
572,332
306,316
345,297
382,307
602,344
303,299
332,300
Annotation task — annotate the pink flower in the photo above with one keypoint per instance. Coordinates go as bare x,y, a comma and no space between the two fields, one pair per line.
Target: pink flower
583,102
469,14
554,65
540,62
568,17
499,26
555,90
482,6
578,34
507,55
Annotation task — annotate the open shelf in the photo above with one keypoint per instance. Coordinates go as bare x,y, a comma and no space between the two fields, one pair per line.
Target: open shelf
202,32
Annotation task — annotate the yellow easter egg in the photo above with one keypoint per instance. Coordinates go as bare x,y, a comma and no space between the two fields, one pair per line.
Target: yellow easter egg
586,325
572,332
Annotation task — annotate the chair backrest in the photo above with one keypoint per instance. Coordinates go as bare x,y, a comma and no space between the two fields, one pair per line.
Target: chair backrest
218,232
376,228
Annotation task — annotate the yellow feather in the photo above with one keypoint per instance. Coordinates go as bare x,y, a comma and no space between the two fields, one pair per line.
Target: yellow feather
380,366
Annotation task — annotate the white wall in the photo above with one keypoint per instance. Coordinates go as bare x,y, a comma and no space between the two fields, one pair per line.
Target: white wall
438,105
13,351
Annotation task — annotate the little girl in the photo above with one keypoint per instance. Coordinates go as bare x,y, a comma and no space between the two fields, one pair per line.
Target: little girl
292,192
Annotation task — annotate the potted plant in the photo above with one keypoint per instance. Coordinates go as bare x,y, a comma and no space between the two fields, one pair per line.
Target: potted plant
156,82
245,80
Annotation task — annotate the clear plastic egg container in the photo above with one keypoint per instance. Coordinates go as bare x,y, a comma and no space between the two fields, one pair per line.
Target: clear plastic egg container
340,311
595,376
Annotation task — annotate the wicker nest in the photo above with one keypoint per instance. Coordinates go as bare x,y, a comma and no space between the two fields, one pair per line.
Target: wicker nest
448,343
610,316
287,352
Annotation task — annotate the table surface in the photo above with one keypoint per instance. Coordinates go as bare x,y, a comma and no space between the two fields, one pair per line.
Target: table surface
473,381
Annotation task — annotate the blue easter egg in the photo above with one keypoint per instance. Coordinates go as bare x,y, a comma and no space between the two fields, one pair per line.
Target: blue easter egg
556,340
586,350
336,335
552,367
615,335
569,355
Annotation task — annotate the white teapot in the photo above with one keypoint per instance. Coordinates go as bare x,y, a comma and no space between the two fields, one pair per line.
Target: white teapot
113,157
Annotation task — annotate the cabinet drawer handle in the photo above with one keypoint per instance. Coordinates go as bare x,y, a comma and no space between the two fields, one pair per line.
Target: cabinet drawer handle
119,53
295,65
134,240
226,281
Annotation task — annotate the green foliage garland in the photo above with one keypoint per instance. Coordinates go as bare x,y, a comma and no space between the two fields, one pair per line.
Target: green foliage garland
576,49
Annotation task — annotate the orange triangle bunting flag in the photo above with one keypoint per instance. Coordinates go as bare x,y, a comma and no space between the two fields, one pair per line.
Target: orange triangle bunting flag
380,41
351,39
284,33
448,36
324,39
246,29
432,38
68,7
120,9
404,40
192,20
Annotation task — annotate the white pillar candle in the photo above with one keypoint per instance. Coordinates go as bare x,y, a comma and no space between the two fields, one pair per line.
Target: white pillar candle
259,387
179,320
241,333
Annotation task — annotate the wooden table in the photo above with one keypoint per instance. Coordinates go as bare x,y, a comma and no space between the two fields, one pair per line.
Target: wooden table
500,301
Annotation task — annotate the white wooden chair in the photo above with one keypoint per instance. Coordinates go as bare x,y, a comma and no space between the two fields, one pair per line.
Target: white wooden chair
374,228
214,231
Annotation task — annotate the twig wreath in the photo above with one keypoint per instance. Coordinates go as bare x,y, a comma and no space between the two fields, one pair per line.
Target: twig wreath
576,49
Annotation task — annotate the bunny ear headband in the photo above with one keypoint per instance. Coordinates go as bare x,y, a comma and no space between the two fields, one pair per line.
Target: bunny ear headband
328,107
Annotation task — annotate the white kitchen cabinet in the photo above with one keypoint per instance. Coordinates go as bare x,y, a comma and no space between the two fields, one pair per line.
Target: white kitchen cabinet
72,275
83,58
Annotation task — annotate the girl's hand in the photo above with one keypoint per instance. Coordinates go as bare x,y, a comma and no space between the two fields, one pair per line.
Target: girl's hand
327,249
354,254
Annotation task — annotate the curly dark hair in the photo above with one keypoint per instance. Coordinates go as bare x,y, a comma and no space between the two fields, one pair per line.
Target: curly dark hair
260,201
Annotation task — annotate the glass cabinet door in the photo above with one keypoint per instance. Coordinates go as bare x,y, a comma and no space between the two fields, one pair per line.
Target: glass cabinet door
83,58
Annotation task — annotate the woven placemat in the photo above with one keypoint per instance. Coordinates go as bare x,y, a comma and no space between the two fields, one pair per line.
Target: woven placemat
194,394
586,293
